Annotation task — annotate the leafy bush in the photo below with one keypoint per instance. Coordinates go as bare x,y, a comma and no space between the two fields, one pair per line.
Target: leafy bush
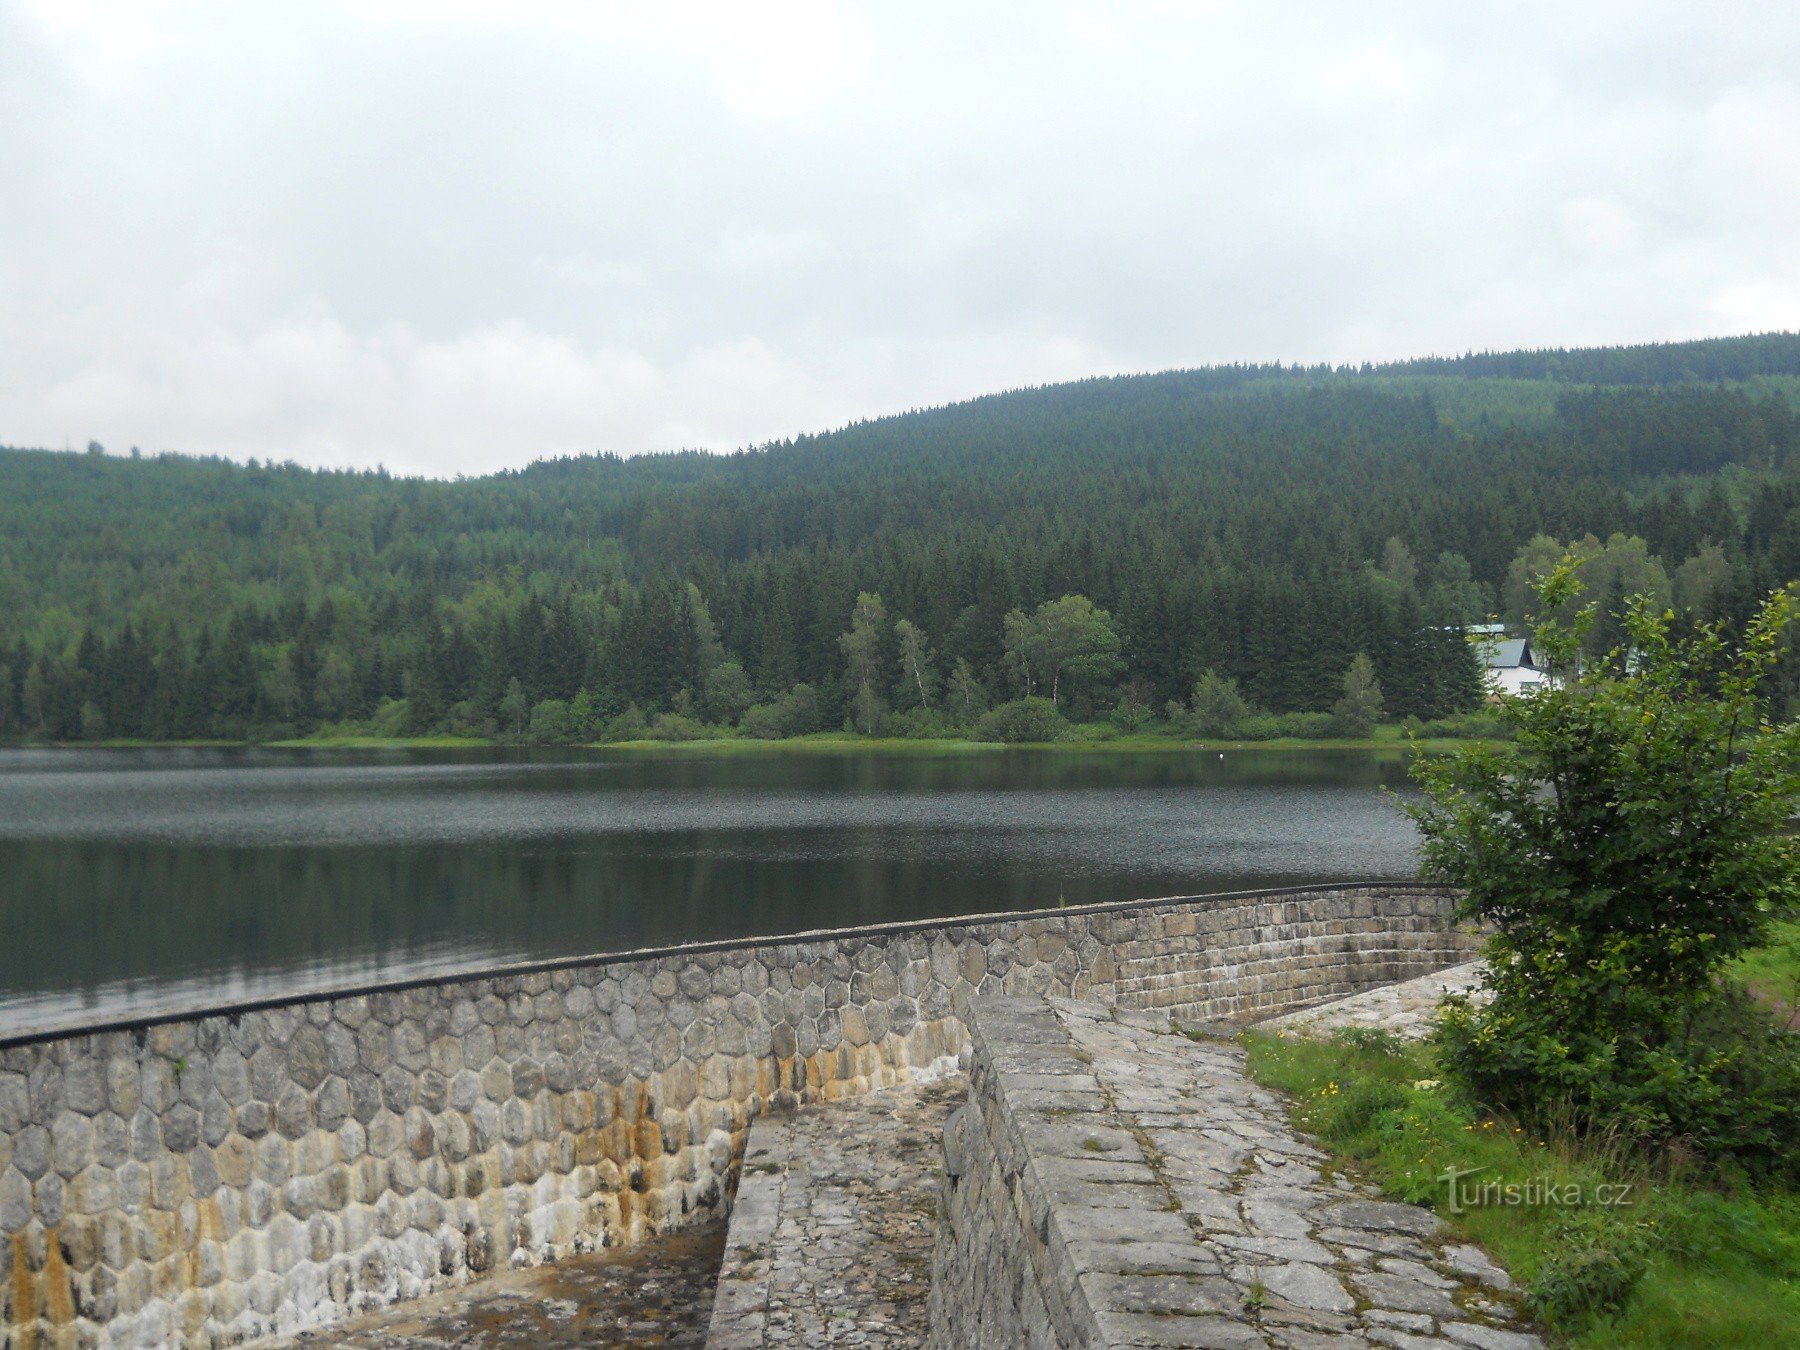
1129,714
918,724
630,725
549,722
390,717
795,713
1301,726
1487,725
1021,721
1626,849
1595,1262
1092,733
672,726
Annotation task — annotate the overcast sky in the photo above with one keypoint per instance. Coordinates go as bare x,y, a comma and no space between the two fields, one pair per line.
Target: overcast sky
455,235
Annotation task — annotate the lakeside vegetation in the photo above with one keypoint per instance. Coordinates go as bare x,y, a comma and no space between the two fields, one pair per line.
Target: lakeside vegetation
1680,1255
1616,1121
1106,545
1390,737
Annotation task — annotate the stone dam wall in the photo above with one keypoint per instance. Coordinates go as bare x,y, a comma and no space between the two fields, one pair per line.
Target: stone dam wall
248,1170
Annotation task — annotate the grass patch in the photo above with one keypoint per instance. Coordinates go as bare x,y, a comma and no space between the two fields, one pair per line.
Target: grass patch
1391,739
1772,972
1093,738
359,742
1687,1260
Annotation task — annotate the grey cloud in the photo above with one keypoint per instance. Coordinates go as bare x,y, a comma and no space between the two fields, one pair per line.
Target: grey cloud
449,237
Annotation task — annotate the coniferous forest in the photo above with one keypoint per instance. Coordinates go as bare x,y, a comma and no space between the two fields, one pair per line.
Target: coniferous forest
1251,550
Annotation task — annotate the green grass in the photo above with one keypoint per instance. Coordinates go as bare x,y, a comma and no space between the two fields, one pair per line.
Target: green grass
1773,971
1714,1264
1391,738
831,742
354,741
1097,738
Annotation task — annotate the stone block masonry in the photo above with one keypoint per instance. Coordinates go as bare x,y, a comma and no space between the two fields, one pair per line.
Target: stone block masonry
262,1168
1108,1183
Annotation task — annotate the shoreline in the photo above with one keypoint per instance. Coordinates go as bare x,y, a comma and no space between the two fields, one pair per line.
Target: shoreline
822,743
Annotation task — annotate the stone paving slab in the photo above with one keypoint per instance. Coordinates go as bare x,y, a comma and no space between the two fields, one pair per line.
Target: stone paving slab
1407,1008
656,1295
1253,1239
833,1226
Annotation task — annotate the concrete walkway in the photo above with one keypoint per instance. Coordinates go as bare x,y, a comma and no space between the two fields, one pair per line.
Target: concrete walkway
1281,1250
834,1223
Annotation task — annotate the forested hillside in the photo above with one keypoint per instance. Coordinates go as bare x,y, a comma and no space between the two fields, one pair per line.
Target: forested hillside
1266,524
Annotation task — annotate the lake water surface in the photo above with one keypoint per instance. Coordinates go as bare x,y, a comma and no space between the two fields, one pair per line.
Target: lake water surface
133,880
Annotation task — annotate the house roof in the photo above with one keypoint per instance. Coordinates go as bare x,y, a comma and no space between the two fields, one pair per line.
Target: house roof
1508,654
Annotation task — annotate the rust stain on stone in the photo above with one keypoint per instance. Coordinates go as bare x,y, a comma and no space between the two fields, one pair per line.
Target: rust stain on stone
59,1292
24,1289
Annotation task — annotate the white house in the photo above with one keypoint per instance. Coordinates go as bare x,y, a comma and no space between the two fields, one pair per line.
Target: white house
1509,666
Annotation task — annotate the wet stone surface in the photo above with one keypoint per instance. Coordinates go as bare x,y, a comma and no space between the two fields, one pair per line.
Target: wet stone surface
1112,1183
656,1294
834,1223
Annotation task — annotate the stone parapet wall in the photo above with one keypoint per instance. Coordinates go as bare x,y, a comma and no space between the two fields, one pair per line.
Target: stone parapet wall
1002,1272
215,1177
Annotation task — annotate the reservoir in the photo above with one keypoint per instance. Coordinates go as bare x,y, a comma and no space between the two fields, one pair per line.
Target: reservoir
140,880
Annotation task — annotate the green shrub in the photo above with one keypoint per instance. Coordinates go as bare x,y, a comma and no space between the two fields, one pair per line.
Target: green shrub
1626,849
1129,714
1486,725
678,727
1022,721
1091,733
549,723
1301,726
1217,708
795,713
630,725
918,724
1596,1258
390,718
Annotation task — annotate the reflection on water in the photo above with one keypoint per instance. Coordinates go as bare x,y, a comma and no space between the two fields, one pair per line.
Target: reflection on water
133,879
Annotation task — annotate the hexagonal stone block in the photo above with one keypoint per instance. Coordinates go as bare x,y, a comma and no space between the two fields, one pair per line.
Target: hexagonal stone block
72,1142
386,1135
84,1090
233,1160
332,1104
398,1088
31,1151
410,1046
342,1053
293,1111
465,1090
231,1076
375,1046
15,1201
365,1095
433,1090
274,1159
